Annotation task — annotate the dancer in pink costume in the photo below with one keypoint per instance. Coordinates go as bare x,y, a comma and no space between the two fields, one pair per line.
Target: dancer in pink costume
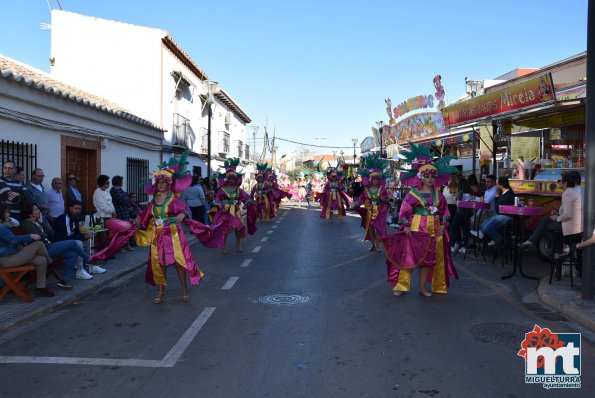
228,202
422,240
159,226
375,199
333,196
261,194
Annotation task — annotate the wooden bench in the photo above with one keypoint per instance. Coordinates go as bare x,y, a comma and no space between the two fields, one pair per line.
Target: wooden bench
12,281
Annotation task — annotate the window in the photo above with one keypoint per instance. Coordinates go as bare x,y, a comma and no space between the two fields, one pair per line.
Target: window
181,131
247,151
204,140
240,149
223,142
23,155
137,174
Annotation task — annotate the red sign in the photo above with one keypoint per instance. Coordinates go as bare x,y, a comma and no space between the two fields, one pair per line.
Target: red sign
538,90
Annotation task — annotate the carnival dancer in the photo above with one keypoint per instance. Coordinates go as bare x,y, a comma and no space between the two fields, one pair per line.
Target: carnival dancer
261,195
159,226
375,199
316,188
422,240
228,203
333,196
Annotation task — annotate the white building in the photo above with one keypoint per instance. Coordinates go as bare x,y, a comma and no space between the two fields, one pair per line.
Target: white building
146,71
49,124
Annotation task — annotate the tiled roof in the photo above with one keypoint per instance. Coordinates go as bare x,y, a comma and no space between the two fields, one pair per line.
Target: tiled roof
27,75
227,100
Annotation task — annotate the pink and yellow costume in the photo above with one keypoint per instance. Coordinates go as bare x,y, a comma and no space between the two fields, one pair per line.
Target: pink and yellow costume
375,197
333,196
423,214
262,194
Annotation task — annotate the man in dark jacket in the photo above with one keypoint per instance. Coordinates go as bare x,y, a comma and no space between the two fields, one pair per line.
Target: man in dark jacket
491,227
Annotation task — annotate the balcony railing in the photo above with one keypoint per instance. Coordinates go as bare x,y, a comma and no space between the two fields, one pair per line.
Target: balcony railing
223,142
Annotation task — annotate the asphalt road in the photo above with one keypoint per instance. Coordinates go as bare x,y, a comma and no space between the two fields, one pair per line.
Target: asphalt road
304,311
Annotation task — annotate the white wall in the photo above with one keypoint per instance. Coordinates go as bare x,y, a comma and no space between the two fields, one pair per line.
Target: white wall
117,61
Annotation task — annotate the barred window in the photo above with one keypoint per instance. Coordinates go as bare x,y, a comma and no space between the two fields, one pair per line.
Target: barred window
137,174
22,154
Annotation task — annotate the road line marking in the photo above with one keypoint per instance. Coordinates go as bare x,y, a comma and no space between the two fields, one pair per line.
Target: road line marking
264,239
230,282
170,359
246,262
256,249
270,232
278,222
274,226
178,349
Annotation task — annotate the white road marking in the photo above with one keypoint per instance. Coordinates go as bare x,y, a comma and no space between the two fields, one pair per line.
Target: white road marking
256,249
246,262
170,359
278,222
274,226
264,239
230,282
270,232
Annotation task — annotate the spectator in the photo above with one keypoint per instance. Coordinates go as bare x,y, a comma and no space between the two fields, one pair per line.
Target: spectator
450,193
11,190
72,192
34,193
120,199
492,225
68,249
102,200
19,175
135,207
66,227
469,186
55,200
194,197
11,256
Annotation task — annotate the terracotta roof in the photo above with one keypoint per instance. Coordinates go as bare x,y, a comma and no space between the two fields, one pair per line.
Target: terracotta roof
27,75
227,100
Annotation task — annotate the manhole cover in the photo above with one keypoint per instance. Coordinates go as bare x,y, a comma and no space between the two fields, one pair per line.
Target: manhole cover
506,334
283,299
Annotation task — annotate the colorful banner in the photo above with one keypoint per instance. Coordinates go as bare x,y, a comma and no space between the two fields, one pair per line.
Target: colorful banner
413,104
538,90
419,126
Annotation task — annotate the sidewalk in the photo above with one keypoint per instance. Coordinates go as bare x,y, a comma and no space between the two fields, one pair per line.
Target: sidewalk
559,295
16,312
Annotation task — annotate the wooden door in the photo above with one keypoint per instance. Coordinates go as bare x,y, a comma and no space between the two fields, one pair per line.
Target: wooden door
81,162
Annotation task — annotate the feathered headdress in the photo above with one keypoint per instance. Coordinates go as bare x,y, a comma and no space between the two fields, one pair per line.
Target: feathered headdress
261,169
374,166
230,166
173,172
421,161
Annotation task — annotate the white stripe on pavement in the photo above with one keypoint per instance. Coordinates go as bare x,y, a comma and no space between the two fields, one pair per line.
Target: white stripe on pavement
270,232
274,226
170,359
230,282
256,249
264,239
246,262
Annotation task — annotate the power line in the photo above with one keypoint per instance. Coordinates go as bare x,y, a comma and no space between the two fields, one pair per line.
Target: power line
317,146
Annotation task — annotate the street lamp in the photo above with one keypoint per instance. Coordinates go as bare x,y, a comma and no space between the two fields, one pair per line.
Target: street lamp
210,87
380,125
354,140
254,131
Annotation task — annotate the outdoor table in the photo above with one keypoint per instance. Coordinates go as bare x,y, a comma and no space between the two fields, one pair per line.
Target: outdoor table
99,239
519,213
474,205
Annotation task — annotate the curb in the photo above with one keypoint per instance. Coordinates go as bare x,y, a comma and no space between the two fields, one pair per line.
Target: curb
570,308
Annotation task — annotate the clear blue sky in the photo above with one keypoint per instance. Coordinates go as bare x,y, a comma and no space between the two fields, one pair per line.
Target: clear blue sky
322,68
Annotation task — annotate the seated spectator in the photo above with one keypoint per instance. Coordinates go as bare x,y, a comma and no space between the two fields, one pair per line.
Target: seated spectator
135,208
11,190
34,223
450,193
102,200
491,227
469,186
12,255
72,192
66,227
